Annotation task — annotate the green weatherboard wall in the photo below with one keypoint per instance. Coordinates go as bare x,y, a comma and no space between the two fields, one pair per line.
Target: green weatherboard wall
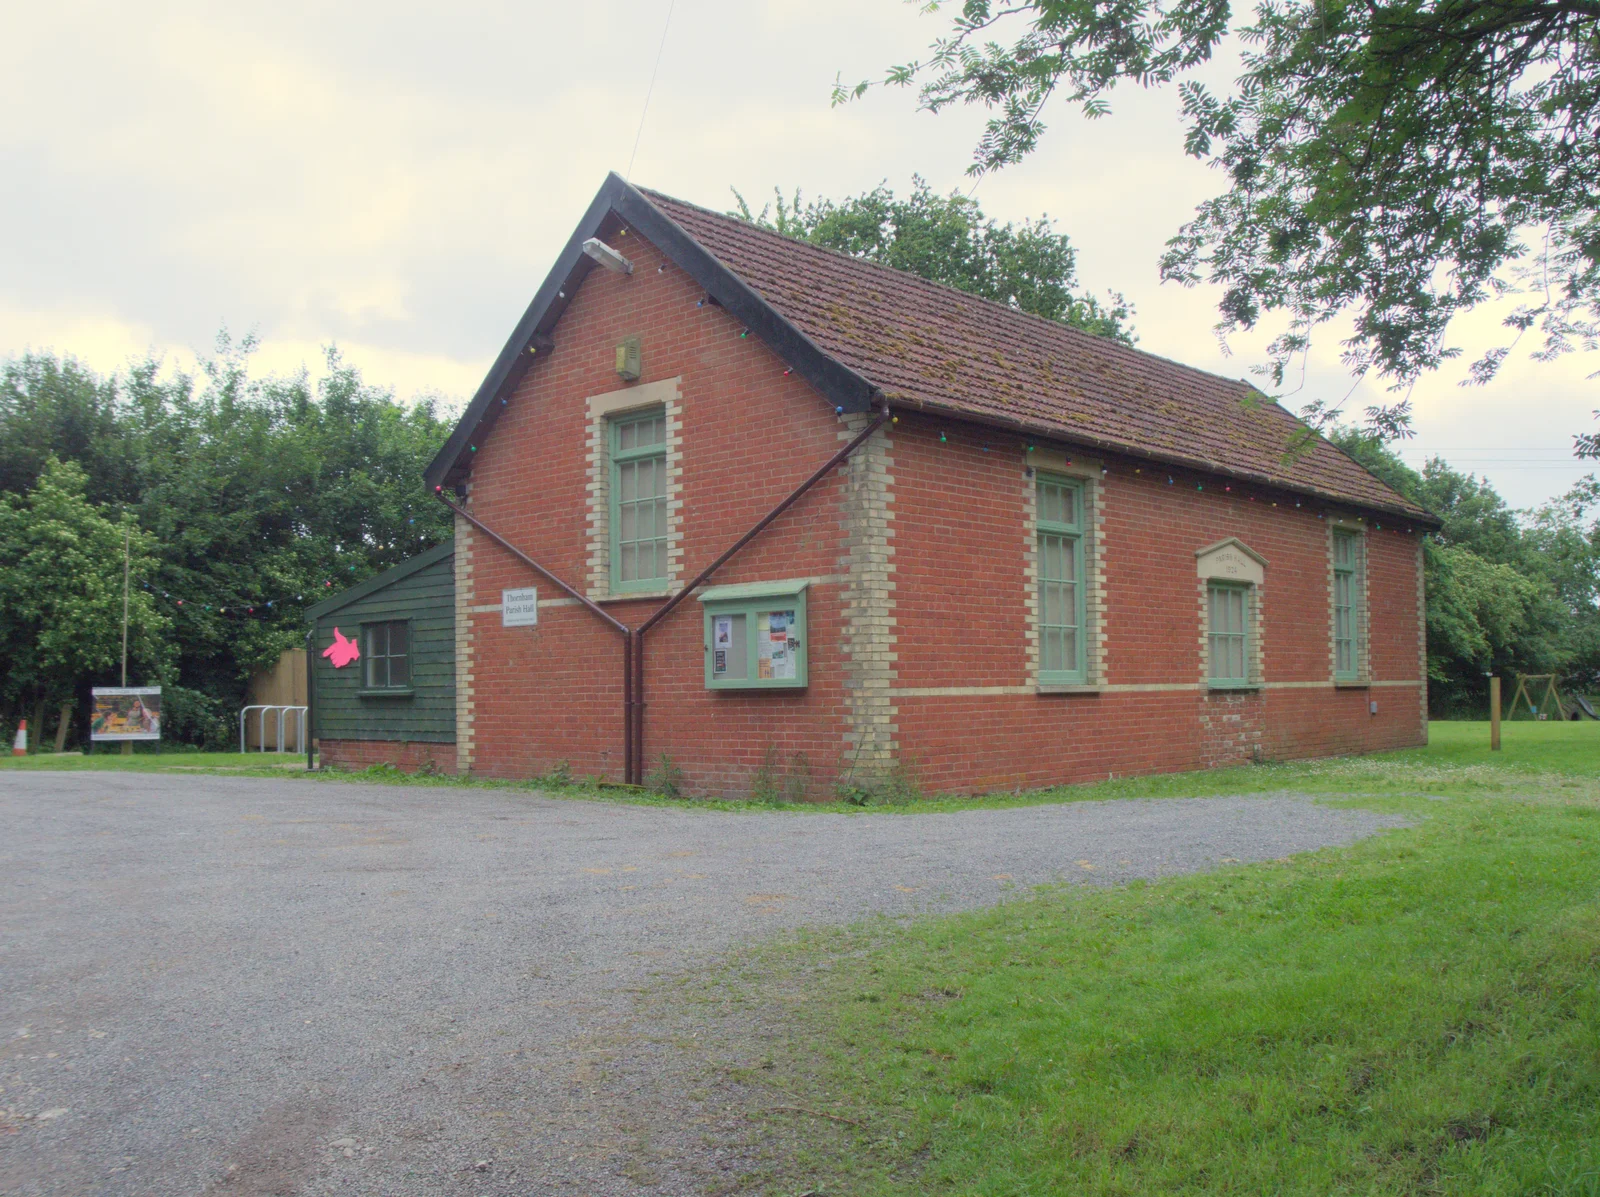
422,592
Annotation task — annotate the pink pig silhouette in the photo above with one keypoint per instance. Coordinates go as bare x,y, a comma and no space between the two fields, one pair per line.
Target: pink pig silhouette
342,651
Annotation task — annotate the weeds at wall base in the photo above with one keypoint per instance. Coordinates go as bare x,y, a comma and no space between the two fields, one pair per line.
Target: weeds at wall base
666,779
894,786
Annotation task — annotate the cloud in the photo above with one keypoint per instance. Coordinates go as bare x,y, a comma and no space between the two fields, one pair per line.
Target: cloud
398,177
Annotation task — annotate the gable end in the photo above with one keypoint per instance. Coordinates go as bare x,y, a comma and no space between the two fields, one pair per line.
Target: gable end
836,382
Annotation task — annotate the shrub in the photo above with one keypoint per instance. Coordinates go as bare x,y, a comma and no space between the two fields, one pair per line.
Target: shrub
194,717
765,782
797,786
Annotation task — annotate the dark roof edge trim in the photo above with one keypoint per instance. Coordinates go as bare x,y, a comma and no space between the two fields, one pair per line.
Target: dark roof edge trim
839,384
378,581
1053,432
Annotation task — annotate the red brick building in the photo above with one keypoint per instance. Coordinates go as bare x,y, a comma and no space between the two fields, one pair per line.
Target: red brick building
1047,558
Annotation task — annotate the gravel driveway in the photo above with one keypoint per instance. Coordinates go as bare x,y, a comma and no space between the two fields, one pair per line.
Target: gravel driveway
246,986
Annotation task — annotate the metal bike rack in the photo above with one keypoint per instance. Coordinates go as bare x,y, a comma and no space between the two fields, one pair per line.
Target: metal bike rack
300,725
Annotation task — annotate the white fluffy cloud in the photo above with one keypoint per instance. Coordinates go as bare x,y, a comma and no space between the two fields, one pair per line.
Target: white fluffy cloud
397,178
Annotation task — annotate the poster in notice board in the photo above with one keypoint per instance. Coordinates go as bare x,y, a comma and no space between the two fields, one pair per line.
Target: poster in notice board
126,713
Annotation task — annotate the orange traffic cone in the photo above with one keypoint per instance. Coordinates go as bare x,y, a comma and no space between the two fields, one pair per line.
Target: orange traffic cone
20,746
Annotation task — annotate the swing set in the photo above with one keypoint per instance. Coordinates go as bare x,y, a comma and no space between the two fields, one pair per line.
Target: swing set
1551,703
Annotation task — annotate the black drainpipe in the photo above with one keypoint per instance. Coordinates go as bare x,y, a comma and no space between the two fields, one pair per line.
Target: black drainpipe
629,765
633,639
309,727
635,751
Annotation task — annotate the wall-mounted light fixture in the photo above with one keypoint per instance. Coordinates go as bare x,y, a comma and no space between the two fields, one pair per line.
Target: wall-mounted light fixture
606,256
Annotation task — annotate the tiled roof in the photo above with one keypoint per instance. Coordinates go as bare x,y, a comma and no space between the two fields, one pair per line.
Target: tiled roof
930,346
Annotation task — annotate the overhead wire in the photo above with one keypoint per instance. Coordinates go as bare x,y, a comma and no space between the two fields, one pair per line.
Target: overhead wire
650,90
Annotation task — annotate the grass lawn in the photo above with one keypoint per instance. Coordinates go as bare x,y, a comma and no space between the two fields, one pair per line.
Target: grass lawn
1418,1013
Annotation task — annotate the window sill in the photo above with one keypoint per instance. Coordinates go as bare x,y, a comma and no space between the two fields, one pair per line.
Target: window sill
1233,687
629,596
388,692
1068,688
1352,684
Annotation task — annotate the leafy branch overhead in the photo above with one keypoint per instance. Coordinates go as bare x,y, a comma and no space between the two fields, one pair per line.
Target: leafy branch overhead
1399,161
947,239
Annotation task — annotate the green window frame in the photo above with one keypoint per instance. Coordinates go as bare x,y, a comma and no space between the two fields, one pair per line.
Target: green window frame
1228,633
1346,606
386,657
746,648
639,500
1058,526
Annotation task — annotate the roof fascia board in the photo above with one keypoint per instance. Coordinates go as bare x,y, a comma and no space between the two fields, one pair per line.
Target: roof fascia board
1053,432
376,583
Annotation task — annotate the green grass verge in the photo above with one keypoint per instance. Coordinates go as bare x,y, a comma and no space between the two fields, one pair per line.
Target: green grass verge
1418,1013
1527,746
1543,747
146,761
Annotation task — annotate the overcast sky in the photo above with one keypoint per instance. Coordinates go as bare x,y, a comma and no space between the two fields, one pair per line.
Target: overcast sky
397,178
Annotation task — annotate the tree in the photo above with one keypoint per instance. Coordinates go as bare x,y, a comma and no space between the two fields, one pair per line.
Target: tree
268,494
1399,160
56,407
1497,595
947,239
61,595
1479,616
1564,535
260,495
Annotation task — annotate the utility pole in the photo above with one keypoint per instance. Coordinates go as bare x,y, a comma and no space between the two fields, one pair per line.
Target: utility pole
127,543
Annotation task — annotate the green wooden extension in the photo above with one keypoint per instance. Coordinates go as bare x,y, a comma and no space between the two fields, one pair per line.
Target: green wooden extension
403,687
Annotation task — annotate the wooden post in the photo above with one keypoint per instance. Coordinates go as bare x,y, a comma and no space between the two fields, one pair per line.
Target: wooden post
1494,714
127,542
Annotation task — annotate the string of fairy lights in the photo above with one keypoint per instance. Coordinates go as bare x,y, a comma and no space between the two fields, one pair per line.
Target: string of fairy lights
245,608
242,608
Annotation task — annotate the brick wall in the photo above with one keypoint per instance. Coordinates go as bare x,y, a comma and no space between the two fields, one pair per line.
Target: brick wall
968,714
751,434
919,647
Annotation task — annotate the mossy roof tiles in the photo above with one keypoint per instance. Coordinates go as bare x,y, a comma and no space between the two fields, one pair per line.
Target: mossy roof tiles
932,347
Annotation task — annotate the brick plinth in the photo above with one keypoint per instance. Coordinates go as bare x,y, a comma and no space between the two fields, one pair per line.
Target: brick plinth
406,755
